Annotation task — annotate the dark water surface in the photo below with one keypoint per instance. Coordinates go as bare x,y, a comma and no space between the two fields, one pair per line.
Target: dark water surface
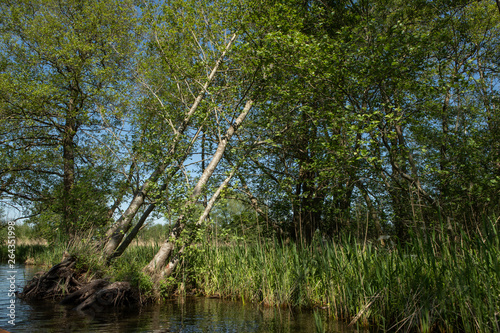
194,314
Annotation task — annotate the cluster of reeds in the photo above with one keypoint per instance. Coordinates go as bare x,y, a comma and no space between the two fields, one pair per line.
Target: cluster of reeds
434,283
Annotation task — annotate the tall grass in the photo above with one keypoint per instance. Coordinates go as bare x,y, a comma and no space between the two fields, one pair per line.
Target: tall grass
435,283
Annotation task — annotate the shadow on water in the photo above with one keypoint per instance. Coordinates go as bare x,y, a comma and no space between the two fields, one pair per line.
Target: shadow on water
191,314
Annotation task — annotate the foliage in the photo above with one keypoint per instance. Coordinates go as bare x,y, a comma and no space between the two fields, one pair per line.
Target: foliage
359,109
375,110
369,120
64,71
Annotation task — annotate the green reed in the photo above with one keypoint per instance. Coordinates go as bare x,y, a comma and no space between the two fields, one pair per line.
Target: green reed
435,283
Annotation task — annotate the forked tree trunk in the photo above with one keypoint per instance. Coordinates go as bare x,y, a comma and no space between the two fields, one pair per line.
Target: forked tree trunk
174,259
133,233
156,267
115,234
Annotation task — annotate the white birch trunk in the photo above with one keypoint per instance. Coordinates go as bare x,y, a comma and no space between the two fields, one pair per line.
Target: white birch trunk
115,234
156,265
174,261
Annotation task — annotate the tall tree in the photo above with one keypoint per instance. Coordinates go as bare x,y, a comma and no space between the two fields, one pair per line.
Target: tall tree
352,88
63,77
188,78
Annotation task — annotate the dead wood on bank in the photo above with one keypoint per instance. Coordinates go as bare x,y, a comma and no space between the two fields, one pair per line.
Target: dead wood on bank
60,280
63,282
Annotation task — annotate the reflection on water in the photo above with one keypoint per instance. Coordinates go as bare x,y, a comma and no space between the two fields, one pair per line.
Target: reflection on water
176,315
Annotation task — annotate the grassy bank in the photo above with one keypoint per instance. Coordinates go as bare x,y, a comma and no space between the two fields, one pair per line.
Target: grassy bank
90,261
435,283
26,253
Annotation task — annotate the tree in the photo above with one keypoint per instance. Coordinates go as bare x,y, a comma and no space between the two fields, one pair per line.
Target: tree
190,85
352,88
64,71
159,267
309,129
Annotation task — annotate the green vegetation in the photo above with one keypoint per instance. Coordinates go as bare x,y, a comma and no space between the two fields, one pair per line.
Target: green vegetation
294,134
435,282
432,283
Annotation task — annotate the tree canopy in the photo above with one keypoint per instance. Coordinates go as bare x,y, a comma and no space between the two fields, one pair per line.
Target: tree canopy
320,117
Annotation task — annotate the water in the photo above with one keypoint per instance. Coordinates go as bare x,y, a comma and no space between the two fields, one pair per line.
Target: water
191,314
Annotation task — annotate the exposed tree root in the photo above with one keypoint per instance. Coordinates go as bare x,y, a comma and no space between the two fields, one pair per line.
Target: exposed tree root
63,282
117,294
84,293
59,281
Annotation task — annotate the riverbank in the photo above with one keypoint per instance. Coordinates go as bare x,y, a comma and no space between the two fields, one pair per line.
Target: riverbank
177,314
434,283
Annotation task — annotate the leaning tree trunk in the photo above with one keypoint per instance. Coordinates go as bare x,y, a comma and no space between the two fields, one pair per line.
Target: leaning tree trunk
115,234
133,233
156,266
122,191
174,259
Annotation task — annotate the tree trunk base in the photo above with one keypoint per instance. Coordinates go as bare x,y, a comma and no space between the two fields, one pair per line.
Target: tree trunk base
63,282
59,281
117,294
